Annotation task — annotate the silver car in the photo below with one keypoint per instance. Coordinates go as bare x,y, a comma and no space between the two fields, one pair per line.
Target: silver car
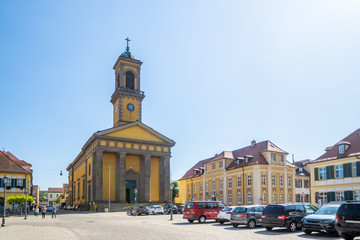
155,209
247,215
225,214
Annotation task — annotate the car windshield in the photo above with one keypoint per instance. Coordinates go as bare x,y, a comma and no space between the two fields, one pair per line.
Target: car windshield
327,210
226,209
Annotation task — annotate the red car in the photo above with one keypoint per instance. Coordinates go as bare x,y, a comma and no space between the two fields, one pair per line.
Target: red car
202,210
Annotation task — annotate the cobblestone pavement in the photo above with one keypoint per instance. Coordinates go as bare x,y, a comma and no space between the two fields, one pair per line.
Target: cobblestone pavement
85,225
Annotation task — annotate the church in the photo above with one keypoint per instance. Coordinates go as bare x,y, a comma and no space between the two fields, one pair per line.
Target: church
129,162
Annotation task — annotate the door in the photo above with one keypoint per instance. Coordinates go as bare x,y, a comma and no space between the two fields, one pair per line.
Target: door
130,191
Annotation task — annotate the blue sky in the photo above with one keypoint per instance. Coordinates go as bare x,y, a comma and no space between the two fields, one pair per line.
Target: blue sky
216,74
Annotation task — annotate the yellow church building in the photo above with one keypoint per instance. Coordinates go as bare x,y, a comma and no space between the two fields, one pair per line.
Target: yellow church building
335,175
256,174
129,162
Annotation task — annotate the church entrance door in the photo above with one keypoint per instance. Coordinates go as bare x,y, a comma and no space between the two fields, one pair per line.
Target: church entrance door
130,191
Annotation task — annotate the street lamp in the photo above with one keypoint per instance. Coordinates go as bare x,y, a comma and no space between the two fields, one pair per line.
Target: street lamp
171,190
26,193
5,179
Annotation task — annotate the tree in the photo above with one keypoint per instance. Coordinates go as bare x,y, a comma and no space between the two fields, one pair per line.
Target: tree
57,200
175,190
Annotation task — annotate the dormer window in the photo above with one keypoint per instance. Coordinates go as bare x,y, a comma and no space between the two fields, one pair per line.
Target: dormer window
300,169
341,149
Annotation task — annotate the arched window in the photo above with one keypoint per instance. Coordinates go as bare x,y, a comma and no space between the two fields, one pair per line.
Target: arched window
130,80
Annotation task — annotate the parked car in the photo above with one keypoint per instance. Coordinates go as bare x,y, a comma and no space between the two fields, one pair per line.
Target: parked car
202,210
247,215
180,209
225,214
156,209
167,209
347,220
287,215
48,208
68,207
323,220
140,210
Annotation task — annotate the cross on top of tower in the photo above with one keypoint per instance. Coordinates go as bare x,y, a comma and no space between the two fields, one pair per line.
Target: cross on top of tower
127,43
127,52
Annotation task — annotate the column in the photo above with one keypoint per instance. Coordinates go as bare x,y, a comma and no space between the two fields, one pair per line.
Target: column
257,185
166,178
147,178
97,180
120,166
161,181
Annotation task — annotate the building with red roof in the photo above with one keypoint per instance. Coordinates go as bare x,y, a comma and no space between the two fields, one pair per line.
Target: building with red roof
18,174
335,175
255,174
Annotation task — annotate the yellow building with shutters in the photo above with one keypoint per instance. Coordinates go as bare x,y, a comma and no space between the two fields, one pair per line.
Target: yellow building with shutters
256,174
129,162
19,175
335,175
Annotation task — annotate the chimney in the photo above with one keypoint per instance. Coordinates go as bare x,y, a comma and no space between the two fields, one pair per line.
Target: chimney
253,142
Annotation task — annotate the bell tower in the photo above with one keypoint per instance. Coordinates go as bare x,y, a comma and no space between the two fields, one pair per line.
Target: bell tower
127,96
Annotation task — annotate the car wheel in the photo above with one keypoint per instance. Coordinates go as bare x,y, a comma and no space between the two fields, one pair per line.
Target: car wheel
292,227
202,219
251,224
307,231
235,224
268,228
347,236
190,221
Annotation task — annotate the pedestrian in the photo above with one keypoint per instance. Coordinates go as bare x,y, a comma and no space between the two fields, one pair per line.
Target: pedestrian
53,210
43,211
36,210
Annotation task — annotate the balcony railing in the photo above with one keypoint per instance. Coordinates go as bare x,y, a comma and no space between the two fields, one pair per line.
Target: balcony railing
128,90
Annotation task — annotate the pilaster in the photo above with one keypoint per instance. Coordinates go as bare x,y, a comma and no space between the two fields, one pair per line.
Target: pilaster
147,177
166,178
98,176
120,167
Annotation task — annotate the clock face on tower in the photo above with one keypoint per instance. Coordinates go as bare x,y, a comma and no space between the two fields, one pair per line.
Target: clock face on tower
130,107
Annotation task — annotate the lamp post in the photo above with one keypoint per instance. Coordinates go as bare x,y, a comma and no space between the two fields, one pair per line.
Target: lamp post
171,190
26,193
5,183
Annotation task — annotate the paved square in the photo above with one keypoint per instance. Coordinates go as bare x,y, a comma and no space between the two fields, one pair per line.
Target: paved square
85,225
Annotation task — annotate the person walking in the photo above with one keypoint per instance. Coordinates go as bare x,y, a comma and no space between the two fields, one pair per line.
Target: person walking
43,211
53,210
36,210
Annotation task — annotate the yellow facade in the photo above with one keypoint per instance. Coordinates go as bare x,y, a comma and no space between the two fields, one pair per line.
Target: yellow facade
271,182
16,191
321,187
154,179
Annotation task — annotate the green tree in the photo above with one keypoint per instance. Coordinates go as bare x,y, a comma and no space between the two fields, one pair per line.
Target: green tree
175,190
57,200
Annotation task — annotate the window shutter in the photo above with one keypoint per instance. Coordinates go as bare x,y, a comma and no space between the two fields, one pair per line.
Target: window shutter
332,172
316,174
348,195
329,173
330,196
358,169
347,170
13,183
24,183
1,183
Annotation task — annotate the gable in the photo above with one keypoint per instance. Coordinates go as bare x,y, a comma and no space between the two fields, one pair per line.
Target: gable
135,132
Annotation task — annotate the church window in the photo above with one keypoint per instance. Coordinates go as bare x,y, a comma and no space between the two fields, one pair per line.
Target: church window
130,80
273,181
239,182
221,184
249,198
213,166
281,197
281,180
220,164
230,198
289,181
263,180
229,183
